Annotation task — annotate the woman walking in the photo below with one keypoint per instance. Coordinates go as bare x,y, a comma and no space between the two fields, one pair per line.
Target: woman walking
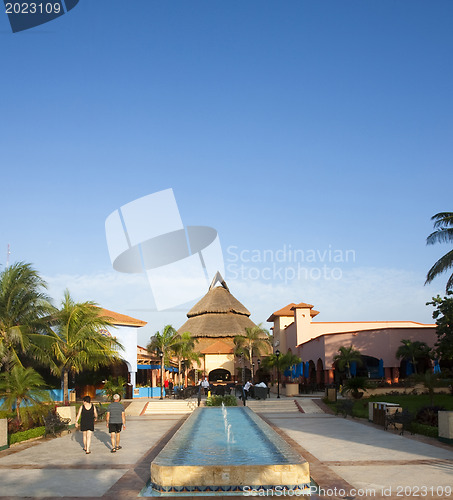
87,415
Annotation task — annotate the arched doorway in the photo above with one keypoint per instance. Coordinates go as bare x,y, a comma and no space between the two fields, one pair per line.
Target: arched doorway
219,375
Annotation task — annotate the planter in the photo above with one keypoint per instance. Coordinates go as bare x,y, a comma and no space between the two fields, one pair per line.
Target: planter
292,389
67,412
3,433
446,426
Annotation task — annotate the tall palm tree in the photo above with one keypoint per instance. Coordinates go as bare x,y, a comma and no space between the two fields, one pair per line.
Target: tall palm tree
184,350
22,385
24,315
78,341
443,223
252,343
164,343
345,357
412,351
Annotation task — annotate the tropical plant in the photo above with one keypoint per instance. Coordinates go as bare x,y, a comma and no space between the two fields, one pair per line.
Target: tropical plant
115,385
443,223
430,381
412,351
163,344
216,400
354,386
281,361
22,385
24,315
444,321
78,340
185,352
252,343
346,356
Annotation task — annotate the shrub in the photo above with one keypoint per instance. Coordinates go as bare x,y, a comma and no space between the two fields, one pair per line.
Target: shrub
18,437
424,430
428,415
218,400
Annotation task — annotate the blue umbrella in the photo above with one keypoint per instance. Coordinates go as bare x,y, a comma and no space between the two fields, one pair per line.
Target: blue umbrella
436,366
307,370
409,368
381,368
353,368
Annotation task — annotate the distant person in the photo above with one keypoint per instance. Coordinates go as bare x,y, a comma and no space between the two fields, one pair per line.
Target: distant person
116,420
205,385
87,415
248,389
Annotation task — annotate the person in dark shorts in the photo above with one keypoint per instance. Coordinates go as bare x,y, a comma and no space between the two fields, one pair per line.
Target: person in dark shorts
87,415
116,420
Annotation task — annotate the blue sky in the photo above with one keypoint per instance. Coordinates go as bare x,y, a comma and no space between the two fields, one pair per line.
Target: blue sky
313,125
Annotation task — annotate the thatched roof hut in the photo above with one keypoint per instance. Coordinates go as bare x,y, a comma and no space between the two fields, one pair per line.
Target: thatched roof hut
217,314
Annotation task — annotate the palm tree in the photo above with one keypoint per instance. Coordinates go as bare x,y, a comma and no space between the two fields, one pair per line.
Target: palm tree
24,315
78,341
412,351
22,385
346,356
163,343
184,350
281,362
443,223
252,343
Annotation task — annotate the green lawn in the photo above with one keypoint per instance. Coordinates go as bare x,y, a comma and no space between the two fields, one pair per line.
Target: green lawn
408,402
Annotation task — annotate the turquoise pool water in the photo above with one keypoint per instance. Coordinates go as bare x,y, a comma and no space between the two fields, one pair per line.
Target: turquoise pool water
226,436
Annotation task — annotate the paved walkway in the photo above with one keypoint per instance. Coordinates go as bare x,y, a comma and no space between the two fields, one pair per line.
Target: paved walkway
348,459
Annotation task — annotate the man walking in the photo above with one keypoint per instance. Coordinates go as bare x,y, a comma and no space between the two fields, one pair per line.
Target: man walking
116,419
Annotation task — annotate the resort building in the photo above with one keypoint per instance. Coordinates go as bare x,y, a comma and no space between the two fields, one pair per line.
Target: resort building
214,321
316,343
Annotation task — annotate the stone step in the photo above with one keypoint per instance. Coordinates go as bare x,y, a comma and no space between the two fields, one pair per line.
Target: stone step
170,407
273,406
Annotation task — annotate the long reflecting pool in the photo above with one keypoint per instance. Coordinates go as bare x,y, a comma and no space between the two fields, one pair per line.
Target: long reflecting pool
230,449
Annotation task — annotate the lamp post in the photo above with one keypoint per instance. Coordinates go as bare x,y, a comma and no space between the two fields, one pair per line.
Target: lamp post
253,372
161,355
277,353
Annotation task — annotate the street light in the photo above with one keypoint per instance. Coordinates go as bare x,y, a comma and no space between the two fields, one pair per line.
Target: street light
277,353
161,355
253,372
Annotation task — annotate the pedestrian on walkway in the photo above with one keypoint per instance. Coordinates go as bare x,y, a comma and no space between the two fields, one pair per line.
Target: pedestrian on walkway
87,415
116,420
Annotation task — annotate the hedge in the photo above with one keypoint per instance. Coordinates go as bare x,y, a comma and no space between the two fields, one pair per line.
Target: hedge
18,437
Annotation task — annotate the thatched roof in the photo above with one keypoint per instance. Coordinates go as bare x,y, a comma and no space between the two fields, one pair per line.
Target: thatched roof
217,314
218,300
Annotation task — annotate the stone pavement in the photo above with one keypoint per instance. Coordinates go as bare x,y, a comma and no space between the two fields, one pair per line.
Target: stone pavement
348,459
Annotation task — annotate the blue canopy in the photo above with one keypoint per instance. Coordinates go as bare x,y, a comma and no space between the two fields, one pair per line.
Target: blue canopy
353,368
157,367
307,369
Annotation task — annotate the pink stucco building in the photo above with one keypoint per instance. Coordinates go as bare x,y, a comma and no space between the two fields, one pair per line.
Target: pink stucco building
317,342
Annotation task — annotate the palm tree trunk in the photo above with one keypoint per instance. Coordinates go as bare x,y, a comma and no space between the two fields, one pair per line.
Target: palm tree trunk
65,386
18,411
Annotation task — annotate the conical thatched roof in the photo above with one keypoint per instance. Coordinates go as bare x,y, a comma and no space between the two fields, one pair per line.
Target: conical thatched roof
217,314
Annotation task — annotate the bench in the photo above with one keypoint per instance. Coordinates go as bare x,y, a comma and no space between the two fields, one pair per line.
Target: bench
54,424
400,420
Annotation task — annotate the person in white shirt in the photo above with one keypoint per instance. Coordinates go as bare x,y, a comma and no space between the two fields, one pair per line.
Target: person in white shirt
205,385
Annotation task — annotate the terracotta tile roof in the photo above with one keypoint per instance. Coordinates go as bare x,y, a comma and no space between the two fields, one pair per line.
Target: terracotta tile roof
289,310
121,319
218,347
